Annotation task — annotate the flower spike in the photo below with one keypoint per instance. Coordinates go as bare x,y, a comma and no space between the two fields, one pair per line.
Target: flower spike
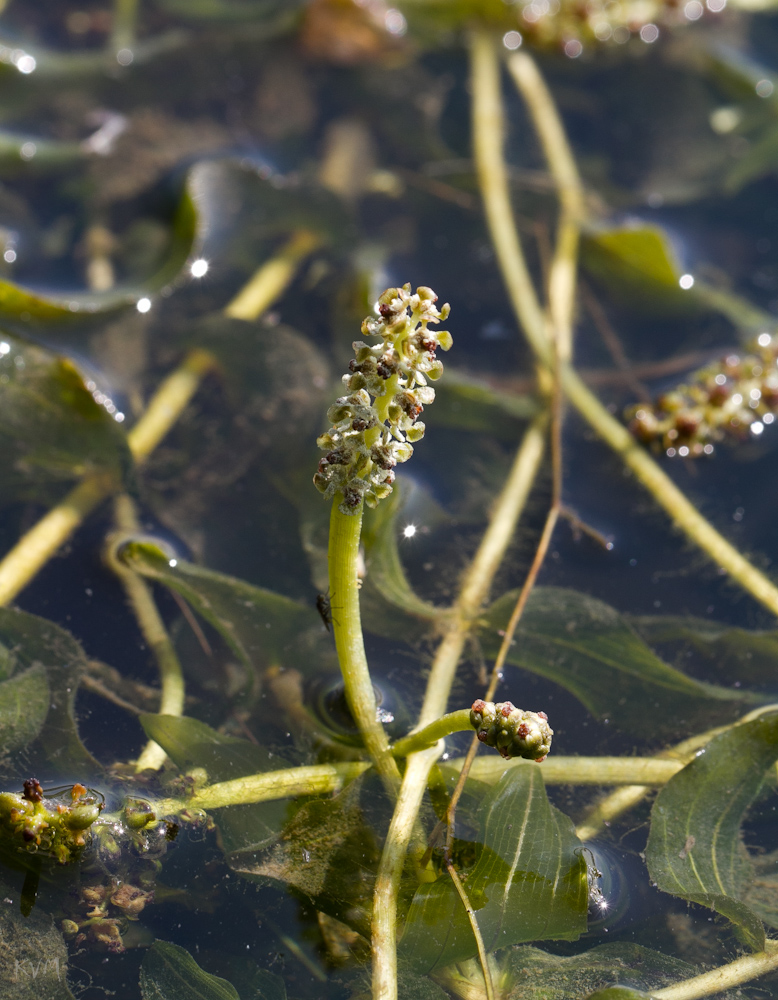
375,425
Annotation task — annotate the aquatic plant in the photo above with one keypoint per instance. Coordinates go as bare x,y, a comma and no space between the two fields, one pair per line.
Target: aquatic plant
164,421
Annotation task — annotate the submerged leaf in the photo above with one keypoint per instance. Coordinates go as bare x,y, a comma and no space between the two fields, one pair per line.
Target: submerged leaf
192,744
51,427
637,264
587,647
169,972
24,704
694,847
326,852
538,975
258,625
38,643
529,883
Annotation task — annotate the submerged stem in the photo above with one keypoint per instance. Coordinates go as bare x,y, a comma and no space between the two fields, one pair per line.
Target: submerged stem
492,176
473,592
141,599
423,739
345,530
726,977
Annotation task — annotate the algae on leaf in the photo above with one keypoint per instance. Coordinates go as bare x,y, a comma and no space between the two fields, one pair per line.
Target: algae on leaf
169,972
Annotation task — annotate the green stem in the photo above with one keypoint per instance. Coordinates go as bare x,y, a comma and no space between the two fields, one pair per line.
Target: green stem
125,17
473,592
648,772
423,739
492,175
317,779
343,554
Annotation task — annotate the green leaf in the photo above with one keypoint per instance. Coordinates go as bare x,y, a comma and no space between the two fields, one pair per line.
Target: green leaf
538,975
37,643
51,427
587,647
638,266
619,993
24,704
169,972
190,743
694,847
326,852
528,884
745,655
258,625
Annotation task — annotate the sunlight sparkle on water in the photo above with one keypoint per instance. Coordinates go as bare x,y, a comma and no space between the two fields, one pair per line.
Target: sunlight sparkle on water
686,281
143,305
409,530
199,268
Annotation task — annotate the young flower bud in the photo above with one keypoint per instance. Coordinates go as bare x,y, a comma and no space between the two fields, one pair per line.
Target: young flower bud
510,730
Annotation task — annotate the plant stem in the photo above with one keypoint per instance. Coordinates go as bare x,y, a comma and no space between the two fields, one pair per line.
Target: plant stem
423,739
487,139
473,592
125,16
483,956
273,277
559,156
317,779
141,599
343,556
556,770
726,977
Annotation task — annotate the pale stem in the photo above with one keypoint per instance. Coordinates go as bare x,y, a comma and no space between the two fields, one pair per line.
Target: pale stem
343,557
726,977
316,779
43,540
561,162
125,16
272,278
487,125
141,599
474,591
557,770
483,956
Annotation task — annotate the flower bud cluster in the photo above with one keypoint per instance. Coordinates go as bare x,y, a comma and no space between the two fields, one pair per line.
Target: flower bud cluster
54,824
376,423
734,398
511,731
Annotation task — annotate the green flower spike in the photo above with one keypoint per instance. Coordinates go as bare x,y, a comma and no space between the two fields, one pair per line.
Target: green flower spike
375,425
511,731
54,823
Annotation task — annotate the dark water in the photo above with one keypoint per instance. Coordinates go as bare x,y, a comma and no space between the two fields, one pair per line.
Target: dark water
278,129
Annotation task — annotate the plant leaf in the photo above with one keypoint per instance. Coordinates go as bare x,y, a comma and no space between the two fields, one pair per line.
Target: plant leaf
529,882
51,428
638,265
587,647
328,853
539,975
259,626
190,743
694,846
169,972
24,704
38,643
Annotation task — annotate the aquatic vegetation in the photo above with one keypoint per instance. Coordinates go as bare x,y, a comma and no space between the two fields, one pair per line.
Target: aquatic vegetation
277,730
